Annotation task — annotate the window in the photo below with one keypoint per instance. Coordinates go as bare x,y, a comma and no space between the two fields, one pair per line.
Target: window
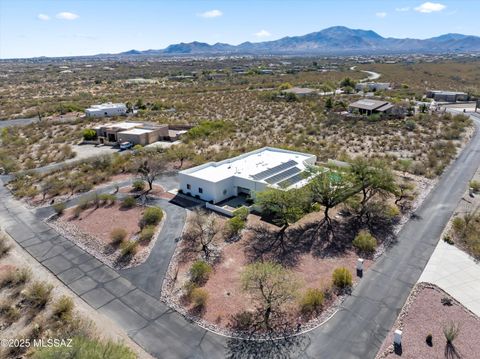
188,186
224,192
200,190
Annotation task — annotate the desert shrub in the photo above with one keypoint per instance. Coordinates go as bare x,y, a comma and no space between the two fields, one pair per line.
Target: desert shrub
89,134
129,248
199,298
129,202
107,198
15,277
342,278
151,216
4,246
138,185
147,233
84,347
365,242
451,331
312,300
475,185
38,294
200,271
458,225
59,208
243,320
63,308
410,125
188,287
235,225
84,203
9,311
391,211
118,235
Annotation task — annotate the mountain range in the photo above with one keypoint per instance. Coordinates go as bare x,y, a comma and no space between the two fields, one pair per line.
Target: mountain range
330,41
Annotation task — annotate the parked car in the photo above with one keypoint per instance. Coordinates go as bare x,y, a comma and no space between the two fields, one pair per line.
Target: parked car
126,145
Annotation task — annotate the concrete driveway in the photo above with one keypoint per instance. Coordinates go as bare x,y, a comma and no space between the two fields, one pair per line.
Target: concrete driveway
456,273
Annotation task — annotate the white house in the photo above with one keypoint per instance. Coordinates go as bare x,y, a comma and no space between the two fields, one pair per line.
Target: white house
106,110
247,174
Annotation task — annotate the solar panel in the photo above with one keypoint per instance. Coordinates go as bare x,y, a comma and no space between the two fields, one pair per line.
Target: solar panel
292,180
282,175
271,171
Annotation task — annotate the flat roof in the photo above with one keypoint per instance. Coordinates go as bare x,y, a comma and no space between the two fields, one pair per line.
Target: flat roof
448,92
107,105
125,125
368,104
136,131
250,164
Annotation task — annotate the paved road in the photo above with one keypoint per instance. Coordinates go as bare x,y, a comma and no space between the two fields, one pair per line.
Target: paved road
356,331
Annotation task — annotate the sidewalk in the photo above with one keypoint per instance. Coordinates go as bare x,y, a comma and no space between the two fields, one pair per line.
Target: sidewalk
456,273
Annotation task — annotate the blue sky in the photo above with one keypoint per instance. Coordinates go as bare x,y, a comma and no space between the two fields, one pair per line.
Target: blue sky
31,28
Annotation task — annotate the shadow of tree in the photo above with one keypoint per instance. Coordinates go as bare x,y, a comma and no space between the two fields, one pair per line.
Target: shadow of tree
266,244
285,348
451,352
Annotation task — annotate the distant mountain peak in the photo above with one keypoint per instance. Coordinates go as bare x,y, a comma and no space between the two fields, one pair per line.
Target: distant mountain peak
332,40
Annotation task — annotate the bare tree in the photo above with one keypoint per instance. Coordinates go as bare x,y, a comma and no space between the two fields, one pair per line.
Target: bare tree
271,285
202,232
150,167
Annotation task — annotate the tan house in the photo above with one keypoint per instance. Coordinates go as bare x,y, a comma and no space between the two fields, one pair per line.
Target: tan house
135,132
368,106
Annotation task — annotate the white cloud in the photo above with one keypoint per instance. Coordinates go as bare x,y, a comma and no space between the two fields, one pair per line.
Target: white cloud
211,14
429,7
67,16
263,33
381,14
402,9
43,17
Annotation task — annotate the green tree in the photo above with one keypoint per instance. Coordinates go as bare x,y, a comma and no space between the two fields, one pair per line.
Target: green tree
271,285
329,103
328,189
372,178
284,207
180,153
89,134
347,82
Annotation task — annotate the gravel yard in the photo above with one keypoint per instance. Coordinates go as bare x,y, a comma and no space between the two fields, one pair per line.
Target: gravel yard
425,314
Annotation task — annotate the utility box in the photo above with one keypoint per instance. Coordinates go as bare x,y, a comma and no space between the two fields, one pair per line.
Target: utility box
360,264
397,337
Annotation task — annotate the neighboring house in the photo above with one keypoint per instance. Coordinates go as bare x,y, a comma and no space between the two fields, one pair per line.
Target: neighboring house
246,174
447,96
106,110
135,132
368,106
301,91
372,86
